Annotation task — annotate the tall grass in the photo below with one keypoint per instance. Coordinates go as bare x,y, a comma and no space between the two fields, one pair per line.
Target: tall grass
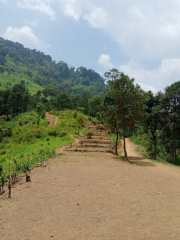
24,138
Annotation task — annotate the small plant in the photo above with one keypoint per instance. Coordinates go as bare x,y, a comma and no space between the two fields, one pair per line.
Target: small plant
89,134
29,158
75,115
9,179
15,172
2,181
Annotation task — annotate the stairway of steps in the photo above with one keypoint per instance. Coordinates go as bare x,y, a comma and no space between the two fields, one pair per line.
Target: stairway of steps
99,142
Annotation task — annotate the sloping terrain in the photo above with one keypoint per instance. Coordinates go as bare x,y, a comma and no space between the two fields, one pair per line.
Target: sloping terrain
82,195
96,142
52,119
37,71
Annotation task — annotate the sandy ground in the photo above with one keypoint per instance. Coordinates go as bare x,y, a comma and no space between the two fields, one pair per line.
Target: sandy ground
96,196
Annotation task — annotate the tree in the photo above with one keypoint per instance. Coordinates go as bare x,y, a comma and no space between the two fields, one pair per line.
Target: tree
152,117
40,109
95,105
125,107
63,101
171,118
80,122
19,99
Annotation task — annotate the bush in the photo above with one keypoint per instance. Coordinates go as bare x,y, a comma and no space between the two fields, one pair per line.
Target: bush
2,152
62,133
75,115
89,134
53,132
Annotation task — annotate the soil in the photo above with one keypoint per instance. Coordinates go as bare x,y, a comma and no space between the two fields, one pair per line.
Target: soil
94,196
52,119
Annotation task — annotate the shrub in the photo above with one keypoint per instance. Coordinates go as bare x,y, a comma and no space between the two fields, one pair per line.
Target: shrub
62,133
53,132
2,152
75,115
89,134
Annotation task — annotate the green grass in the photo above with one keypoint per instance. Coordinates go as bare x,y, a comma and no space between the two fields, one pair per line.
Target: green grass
138,149
113,137
61,154
163,162
15,74
22,139
8,80
69,123
120,153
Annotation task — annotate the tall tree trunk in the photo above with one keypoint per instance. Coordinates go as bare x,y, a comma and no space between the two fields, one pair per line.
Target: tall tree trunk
154,148
125,152
154,142
117,134
174,148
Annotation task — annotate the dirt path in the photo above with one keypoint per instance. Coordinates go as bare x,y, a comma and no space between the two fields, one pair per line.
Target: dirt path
52,119
94,196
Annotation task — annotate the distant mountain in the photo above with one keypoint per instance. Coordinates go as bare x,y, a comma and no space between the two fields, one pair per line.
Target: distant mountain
36,71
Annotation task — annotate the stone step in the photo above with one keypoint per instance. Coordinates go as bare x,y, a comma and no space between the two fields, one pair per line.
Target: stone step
94,146
103,150
99,137
97,141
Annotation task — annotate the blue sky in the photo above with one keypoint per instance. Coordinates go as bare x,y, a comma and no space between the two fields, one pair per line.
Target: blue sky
140,38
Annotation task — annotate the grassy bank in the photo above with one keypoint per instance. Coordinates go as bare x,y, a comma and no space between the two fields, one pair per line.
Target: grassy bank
23,143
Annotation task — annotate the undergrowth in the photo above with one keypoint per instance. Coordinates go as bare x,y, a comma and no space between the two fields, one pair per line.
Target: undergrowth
22,139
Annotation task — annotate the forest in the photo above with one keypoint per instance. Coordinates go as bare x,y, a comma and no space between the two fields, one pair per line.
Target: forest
36,71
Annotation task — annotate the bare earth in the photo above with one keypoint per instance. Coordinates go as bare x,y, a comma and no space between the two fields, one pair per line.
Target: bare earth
94,196
52,119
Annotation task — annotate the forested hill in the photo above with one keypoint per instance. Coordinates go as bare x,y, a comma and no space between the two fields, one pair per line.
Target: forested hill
36,71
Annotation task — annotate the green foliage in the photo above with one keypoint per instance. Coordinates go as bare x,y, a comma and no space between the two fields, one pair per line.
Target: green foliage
122,104
113,137
69,124
35,70
75,115
56,132
38,143
95,106
89,134
40,109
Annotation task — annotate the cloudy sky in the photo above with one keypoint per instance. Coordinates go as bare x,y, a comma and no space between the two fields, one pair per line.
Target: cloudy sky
140,38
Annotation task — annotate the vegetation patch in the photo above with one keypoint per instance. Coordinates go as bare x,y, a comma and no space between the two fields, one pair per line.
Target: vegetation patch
28,140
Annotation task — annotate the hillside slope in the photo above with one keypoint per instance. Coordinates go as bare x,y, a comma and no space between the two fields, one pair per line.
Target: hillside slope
36,71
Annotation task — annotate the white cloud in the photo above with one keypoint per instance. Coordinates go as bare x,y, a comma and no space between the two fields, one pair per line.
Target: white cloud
143,30
31,23
40,5
97,18
147,88
69,11
105,61
24,35
165,75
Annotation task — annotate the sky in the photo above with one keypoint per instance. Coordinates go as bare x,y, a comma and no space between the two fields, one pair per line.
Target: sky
140,38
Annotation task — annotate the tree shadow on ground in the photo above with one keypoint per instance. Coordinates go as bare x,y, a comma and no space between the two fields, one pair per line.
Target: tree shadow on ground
144,162
138,161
